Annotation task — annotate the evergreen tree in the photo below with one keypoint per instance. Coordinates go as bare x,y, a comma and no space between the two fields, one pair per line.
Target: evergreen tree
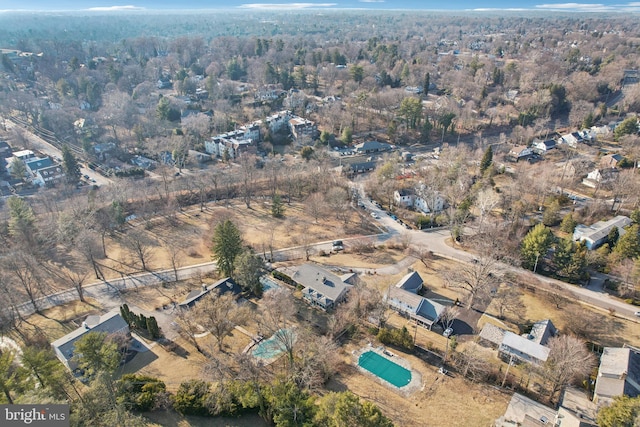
629,243
568,224
426,84
227,246
277,206
249,269
623,412
535,246
614,235
21,218
487,160
70,165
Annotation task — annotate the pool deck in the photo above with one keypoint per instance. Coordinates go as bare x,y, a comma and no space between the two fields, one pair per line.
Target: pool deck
416,378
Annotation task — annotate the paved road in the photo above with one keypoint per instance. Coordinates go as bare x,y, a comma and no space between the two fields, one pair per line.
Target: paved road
47,149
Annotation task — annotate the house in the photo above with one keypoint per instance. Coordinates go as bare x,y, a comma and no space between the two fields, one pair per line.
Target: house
372,147
618,375
301,127
571,139
596,235
600,176
574,410
541,147
428,201
321,288
404,299
111,323
23,155
48,176
278,121
411,282
222,286
527,348
520,152
143,162
523,411
359,167
521,349
35,163
610,161
404,197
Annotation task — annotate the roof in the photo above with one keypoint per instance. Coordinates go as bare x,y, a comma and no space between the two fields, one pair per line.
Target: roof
521,408
525,346
492,333
614,361
542,331
409,302
323,282
110,322
412,282
222,286
601,229
373,146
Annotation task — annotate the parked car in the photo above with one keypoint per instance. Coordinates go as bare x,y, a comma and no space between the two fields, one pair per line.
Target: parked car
375,215
447,332
637,313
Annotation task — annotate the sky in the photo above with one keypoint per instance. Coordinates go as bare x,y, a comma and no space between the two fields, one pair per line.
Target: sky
131,5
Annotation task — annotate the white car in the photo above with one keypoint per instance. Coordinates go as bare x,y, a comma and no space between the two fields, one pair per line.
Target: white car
375,215
447,332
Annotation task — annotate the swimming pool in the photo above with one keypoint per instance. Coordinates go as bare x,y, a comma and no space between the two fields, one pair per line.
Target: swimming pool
268,284
385,369
272,347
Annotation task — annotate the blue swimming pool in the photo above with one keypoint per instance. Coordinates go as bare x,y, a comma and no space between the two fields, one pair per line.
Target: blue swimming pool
385,369
273,346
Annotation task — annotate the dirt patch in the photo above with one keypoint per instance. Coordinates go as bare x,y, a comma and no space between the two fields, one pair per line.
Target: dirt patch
173,419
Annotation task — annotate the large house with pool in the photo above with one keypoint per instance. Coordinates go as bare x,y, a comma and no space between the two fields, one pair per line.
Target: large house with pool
321,287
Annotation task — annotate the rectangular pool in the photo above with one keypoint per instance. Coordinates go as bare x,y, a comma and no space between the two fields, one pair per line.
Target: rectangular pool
385,369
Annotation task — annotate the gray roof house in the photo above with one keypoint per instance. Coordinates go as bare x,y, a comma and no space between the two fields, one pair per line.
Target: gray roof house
411,282
542,147
220,287
111,323
372,147
522,349
321,287
619,374
596,234
419,309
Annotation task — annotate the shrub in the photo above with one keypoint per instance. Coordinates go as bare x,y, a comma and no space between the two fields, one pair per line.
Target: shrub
396,337
191,397
140,392
283,277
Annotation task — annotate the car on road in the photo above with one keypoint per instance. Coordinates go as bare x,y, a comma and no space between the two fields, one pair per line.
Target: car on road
337,246
637,313
447,332
85,176
375,215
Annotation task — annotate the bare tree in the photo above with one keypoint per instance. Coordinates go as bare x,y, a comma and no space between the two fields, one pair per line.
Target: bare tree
187,321
23,273
315,206
248,167
276,318
140,248
476,279
471,363
449,315
423,254
569,360
220,314
508,299
174,251
486,200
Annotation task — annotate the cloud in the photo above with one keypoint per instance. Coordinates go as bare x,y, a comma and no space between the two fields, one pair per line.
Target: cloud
592,7
371,1
285,5
114,8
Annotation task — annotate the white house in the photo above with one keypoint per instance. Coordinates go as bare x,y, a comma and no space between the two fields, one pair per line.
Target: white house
618,375
596,235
